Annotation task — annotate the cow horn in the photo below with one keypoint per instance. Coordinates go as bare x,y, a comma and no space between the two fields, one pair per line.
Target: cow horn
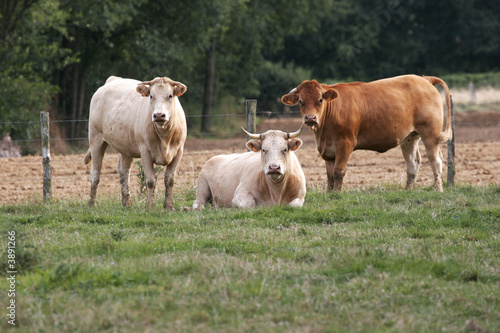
250,135
292,91
295,134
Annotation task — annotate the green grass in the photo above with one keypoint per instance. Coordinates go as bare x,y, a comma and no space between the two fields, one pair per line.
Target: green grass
378,260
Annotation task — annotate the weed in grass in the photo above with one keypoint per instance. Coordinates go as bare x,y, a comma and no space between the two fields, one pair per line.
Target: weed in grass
142,178
98,220
118,235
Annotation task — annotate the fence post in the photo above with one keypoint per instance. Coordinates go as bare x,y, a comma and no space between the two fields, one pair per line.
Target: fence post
251,111
47,170
472,93
451,150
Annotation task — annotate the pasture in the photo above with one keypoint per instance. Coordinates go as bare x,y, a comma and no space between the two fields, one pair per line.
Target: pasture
371,260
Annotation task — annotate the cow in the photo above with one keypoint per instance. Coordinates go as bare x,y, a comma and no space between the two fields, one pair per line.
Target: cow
138,119
377,116
272,177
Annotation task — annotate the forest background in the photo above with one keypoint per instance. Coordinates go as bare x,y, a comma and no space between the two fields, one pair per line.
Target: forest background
54,54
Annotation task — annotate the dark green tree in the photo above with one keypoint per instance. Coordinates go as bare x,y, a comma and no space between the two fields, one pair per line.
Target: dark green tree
28,56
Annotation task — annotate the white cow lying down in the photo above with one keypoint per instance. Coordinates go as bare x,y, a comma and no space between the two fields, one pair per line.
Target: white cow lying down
272,177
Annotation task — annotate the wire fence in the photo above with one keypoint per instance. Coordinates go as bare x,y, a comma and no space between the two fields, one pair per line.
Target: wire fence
192,171
262,114
267,113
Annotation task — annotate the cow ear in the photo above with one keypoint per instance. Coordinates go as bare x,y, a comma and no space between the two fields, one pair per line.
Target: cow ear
254,145
143,90
290,99
294,144
179,89
330,95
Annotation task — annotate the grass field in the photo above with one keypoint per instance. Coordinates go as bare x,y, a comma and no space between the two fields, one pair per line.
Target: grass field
377,260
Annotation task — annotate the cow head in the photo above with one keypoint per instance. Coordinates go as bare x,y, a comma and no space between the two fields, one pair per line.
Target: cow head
274,148
161,92
312,98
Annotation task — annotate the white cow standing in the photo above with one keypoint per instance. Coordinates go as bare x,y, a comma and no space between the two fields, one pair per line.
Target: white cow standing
138,119
272,177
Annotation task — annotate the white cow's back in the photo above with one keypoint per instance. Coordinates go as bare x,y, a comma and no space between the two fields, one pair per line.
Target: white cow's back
224,173
118,111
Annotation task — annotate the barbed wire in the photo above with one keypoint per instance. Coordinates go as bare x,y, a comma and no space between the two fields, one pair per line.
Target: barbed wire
462,124
266,113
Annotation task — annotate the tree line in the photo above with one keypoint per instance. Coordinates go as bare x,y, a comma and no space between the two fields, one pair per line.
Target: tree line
55,53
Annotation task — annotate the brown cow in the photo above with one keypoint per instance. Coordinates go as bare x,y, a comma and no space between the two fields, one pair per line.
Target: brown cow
378,116
138,119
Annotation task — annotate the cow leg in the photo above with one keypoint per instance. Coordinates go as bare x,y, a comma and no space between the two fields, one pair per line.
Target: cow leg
412,158
149,174
203,193
97,150
297,202
169,181
243,199
124,165
434,156
337,172
329,174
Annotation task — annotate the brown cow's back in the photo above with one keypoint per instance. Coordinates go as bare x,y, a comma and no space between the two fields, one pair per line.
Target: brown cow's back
382,113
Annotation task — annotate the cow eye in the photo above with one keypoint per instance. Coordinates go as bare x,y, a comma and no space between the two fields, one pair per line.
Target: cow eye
150,96
264,151
301,103
320,101
170,97
284,151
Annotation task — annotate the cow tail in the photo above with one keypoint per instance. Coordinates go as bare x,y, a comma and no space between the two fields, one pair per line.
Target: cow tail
447,133
87,158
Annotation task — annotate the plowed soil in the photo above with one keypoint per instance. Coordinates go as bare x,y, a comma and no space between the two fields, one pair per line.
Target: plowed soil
477,163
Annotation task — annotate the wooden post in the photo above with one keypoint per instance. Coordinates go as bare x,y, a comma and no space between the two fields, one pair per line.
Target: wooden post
472,93
451,150
47,170
251,110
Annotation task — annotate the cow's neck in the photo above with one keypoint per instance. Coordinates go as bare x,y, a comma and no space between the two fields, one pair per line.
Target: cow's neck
277,190
324,133
163,130
169,129
170,137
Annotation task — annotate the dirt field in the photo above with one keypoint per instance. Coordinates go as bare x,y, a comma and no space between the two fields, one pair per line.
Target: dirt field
477,163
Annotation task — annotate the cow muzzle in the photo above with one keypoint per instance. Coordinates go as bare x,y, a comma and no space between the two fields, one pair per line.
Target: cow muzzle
310,120
274,171
159,117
